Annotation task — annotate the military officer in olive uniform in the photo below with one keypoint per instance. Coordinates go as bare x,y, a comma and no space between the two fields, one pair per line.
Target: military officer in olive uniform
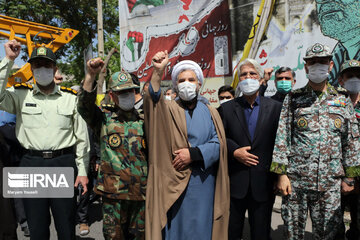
349,79
49,127
122,174
317,144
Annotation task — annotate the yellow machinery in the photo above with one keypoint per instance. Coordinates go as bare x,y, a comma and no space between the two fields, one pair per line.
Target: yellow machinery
24,31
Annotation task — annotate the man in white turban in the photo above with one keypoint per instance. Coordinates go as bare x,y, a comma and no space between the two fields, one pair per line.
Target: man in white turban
187,193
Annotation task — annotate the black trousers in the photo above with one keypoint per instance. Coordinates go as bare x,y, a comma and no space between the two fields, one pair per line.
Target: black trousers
62,209
351,201
83,204
259,217
7,214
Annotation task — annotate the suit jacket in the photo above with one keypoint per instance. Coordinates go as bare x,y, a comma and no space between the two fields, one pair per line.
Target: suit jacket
258,177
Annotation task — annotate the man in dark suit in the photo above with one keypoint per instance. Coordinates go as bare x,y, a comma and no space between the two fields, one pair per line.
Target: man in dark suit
250,124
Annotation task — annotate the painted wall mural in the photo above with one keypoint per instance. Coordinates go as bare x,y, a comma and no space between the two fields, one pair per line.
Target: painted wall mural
295,25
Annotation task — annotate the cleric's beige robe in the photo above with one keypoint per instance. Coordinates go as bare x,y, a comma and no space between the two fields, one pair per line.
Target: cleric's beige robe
165,127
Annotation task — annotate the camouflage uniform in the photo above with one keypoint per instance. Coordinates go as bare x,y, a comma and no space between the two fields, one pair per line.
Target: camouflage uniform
317,143
351,200
122,174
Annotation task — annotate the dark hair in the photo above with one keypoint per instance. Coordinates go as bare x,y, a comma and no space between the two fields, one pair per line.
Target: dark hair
226,88
285,69
136,82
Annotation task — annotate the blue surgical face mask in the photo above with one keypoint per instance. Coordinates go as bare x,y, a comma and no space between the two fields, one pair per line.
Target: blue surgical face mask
249,86
284,86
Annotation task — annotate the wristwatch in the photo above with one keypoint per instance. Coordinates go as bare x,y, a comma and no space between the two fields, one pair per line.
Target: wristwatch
349,182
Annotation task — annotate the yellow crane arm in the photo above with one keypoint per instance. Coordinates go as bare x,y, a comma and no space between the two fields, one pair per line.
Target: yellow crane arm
24,31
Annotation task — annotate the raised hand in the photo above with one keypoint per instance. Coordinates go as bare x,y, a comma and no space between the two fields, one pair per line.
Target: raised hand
267,74
160,60
94,66
12,49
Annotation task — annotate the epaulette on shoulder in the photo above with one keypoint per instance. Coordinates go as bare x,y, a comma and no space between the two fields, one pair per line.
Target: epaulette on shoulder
108,107
140,112
342,91
69,90
23,86
298,92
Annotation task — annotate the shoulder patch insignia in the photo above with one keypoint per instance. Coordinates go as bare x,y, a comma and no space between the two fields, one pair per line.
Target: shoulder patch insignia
337,123
23,86
69,90
114,140
302,123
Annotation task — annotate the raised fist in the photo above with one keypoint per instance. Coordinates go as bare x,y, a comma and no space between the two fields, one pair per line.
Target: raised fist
160,60
12,49
95,65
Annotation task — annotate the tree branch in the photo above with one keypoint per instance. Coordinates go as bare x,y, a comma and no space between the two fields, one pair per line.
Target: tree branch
103,73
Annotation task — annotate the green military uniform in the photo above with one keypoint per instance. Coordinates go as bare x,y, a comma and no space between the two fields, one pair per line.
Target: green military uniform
53,133
123,170
317,143
351,200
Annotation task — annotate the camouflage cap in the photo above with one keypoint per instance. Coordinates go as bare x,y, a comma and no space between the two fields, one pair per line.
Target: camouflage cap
121,81
42,52
318,50
349,64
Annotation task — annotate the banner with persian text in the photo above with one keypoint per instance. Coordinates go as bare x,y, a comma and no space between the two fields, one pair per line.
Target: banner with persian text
188,29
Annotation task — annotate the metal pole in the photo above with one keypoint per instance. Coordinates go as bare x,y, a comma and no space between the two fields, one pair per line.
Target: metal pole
100,29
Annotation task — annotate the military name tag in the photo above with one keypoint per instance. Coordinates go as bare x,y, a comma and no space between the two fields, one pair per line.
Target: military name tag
30,104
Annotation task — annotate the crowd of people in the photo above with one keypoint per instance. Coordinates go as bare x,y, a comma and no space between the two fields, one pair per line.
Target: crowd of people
169,166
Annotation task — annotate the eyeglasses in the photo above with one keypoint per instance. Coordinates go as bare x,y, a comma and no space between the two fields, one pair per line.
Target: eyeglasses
224,97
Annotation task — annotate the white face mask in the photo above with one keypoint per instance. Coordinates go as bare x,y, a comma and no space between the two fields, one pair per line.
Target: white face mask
352,85
43,76
224,101
187,90
126,101
168,97
318,72
249,86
